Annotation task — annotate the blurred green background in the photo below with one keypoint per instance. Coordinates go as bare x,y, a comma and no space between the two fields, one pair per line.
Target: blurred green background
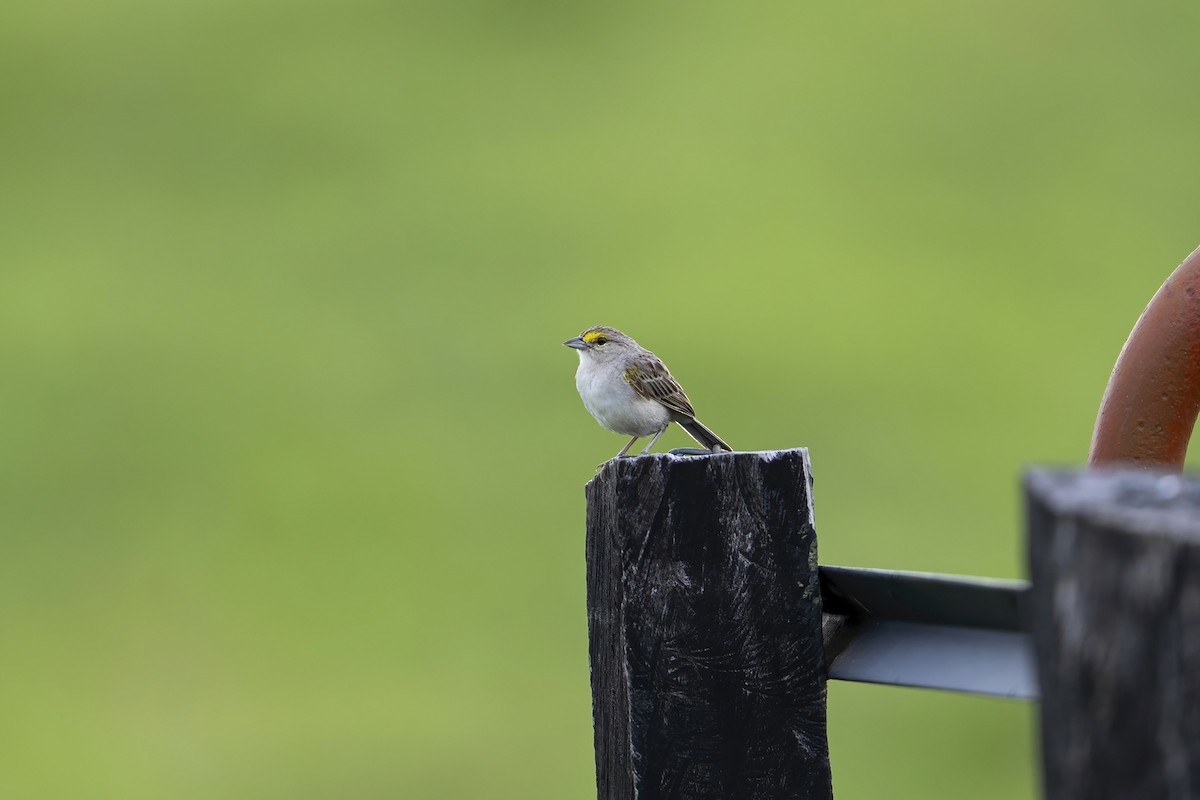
291,458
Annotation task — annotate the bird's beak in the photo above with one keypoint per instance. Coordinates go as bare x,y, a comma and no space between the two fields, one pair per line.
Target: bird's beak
577,343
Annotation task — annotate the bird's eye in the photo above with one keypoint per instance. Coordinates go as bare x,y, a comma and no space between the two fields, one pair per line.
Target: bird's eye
601,340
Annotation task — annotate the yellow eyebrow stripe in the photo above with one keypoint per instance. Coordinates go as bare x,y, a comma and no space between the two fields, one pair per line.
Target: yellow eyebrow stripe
592,336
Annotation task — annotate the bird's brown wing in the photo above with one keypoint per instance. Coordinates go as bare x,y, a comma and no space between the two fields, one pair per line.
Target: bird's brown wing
651,379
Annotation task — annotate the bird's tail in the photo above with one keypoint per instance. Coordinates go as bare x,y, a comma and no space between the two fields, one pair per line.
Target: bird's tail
703,436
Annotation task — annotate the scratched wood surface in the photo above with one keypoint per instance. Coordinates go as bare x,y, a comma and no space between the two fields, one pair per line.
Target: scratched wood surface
704,614
1115,565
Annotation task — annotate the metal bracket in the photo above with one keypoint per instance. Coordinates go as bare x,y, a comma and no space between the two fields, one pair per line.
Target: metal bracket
929,631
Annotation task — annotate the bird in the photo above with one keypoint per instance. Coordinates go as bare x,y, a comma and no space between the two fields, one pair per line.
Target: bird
629,390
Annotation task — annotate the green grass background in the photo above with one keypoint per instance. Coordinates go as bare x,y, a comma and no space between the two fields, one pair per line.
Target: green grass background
291,459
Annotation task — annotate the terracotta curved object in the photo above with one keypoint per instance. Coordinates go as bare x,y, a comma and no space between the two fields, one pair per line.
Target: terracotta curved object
1150,406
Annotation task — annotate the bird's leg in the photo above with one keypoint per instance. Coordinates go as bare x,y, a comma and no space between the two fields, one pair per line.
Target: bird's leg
655,439
625,449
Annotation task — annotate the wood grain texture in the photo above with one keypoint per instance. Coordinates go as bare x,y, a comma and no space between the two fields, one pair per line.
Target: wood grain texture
1115,563
704,614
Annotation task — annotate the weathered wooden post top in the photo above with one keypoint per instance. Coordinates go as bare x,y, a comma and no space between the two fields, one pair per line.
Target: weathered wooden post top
704,623
1115,561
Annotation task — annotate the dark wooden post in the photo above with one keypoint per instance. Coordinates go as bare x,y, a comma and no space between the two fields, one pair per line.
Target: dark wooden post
1115,563
704,624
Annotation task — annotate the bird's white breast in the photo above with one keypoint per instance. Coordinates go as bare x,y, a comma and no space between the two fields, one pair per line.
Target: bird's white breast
615,404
